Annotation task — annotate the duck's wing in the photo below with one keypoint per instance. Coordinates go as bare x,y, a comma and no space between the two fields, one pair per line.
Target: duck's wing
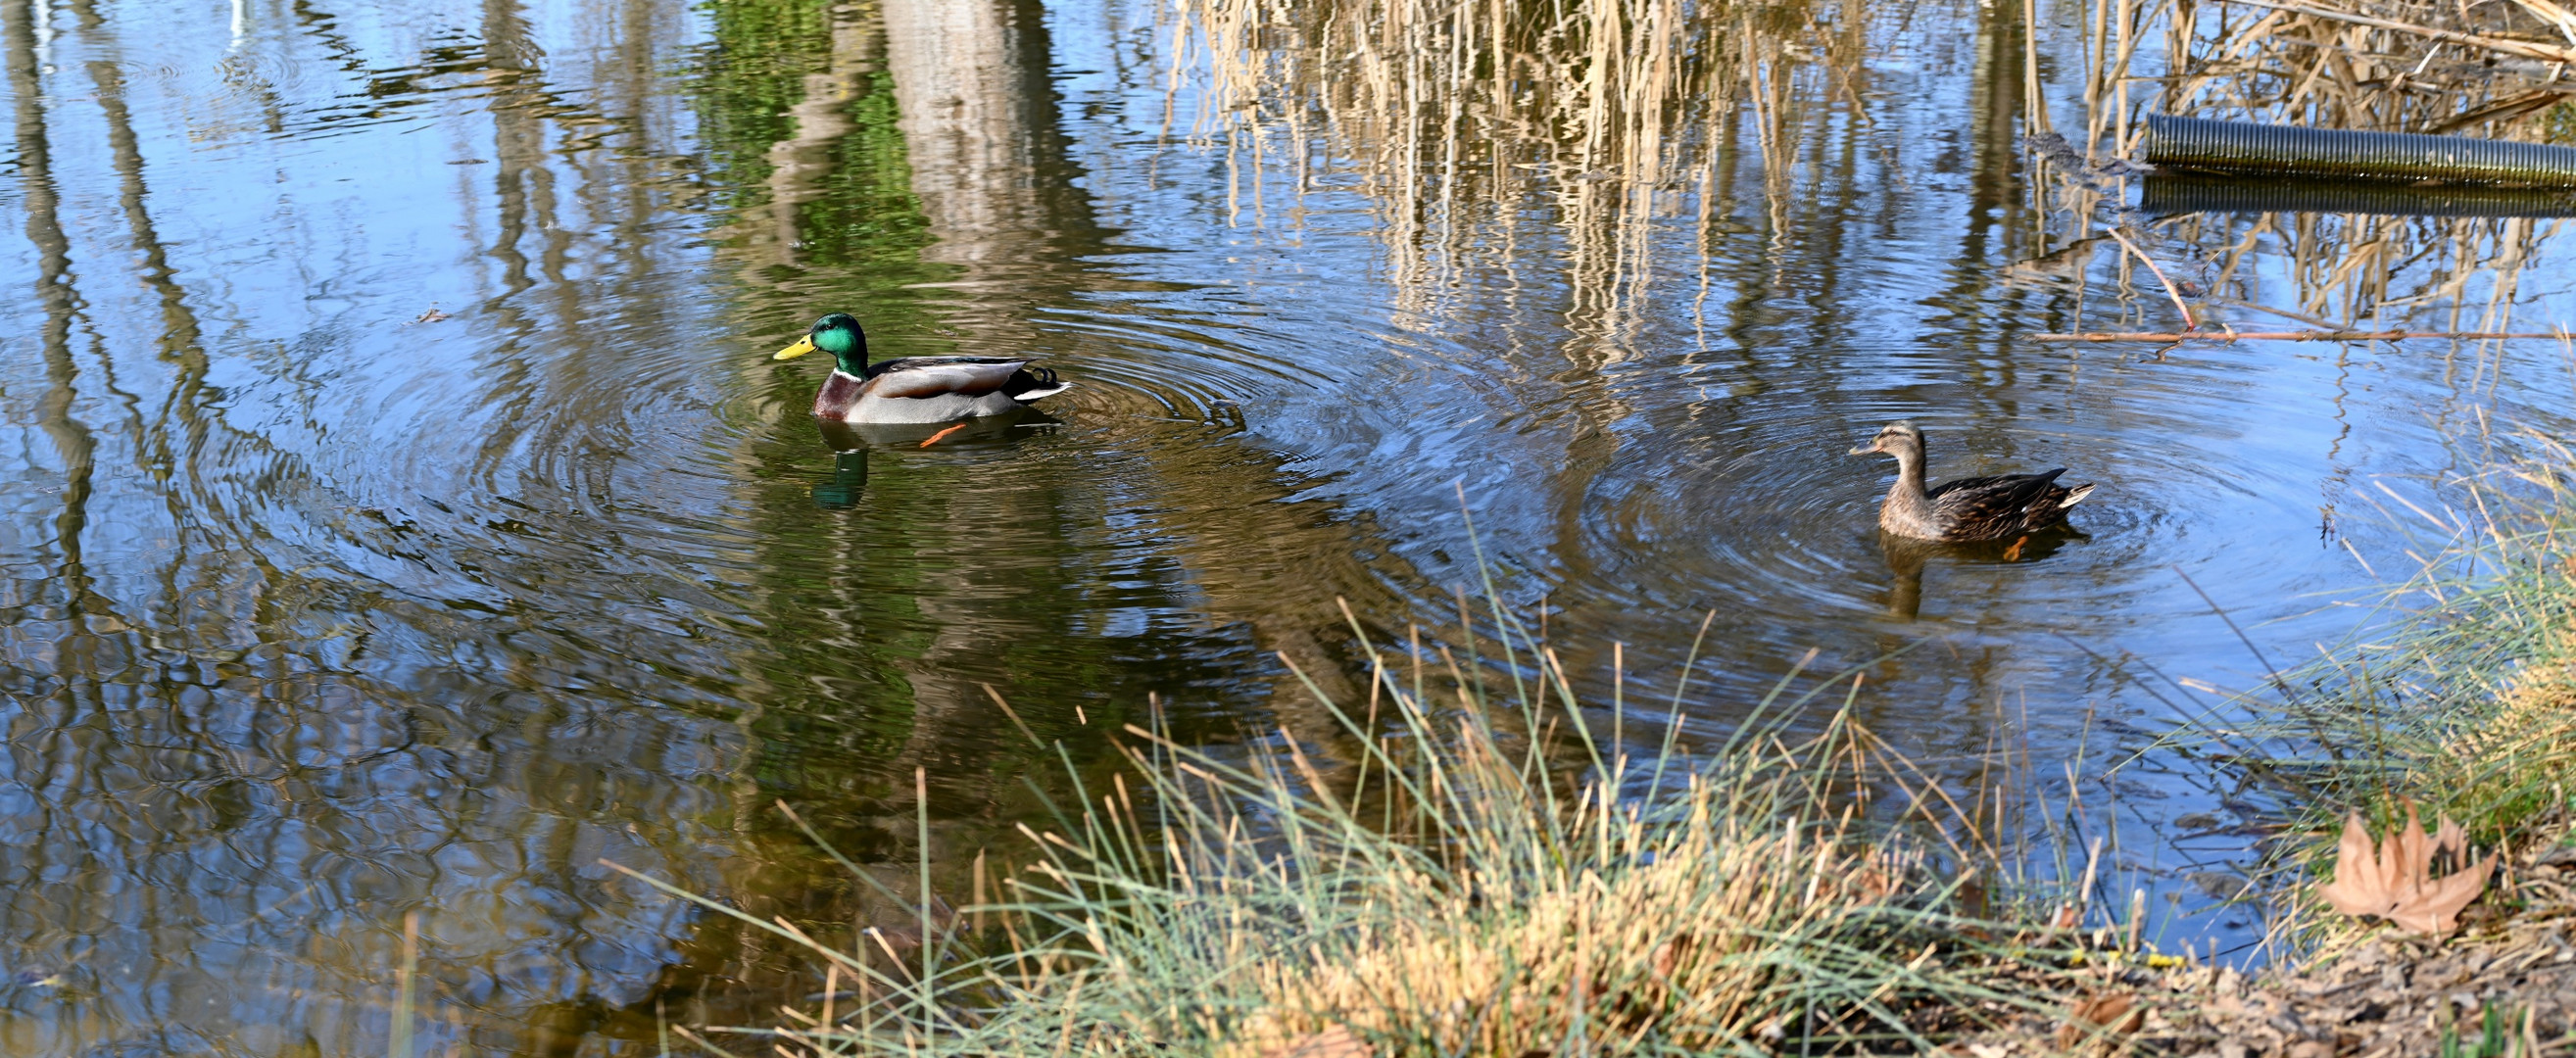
936,376
2000,498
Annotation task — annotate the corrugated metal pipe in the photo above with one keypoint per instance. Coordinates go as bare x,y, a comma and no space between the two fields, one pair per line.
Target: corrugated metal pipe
2165,195
2244,147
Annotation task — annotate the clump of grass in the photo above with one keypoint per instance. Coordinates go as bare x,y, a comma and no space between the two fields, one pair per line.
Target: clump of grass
1465,871
2462,700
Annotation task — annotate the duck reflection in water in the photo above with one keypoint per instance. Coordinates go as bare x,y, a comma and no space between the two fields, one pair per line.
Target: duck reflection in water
849,479
851,444
1907,556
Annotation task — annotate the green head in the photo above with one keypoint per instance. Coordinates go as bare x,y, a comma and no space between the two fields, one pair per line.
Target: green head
839,335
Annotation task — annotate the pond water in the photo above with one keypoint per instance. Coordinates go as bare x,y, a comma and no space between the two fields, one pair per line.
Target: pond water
402,514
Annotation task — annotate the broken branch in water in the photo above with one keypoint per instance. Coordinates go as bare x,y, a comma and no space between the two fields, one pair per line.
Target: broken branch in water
2188,320
2526,49
2286,336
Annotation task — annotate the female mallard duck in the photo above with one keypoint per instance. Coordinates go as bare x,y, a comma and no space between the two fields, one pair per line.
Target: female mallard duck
915,389
1994,508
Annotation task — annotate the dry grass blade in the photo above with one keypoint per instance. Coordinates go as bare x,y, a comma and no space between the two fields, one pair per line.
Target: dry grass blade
2513,106
2553,14
2393,881
1331,1043
2189,321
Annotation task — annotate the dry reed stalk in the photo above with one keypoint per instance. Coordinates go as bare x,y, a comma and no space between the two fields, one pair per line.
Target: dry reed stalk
1453,115
2508,46
2383,67
2390,64
2189,321
406,996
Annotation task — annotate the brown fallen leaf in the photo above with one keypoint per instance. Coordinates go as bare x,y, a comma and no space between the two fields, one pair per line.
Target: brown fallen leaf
2392,880
2108,1015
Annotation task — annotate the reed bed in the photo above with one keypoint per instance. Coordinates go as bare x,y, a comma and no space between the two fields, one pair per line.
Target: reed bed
2452,69
1466,872
1456,116
2457,72
1483,131
2378,65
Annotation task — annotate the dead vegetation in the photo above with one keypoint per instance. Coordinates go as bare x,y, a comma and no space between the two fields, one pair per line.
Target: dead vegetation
1487,130
2468,707
2487,70
1467,872
2393,879
2494,70
2505,993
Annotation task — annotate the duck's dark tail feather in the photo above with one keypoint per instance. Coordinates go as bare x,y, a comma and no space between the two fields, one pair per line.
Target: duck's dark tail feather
1032,383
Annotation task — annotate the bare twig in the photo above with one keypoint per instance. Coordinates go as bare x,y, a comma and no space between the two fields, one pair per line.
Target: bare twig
2284,336
2503,109
2526,49
2189,322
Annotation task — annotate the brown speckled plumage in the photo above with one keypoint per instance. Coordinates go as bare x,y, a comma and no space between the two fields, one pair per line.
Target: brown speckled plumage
1987,508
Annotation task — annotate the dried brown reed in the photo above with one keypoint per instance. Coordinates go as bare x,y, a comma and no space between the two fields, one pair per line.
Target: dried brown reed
2311,65
2385,65
1457,114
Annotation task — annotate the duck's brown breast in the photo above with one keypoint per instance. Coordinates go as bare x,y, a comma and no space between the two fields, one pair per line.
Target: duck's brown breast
838,394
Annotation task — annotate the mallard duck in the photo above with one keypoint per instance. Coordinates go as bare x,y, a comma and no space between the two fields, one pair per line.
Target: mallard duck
915,389
1991,508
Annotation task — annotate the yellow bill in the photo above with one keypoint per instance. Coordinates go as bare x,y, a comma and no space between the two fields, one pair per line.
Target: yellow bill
803,346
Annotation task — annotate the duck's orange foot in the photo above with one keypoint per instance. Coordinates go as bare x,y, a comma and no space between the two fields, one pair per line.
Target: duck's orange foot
2013,553
934,438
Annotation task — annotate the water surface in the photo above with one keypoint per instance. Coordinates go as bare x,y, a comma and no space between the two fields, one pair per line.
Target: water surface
402,515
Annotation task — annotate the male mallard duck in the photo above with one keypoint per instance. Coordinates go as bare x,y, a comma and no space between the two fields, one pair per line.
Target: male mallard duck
1993,508
915,389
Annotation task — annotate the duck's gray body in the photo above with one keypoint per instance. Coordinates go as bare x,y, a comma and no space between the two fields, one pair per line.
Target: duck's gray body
1988,508
928,389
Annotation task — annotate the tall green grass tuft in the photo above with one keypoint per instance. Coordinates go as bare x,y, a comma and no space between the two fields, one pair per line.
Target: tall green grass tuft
1465,870
2461,695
